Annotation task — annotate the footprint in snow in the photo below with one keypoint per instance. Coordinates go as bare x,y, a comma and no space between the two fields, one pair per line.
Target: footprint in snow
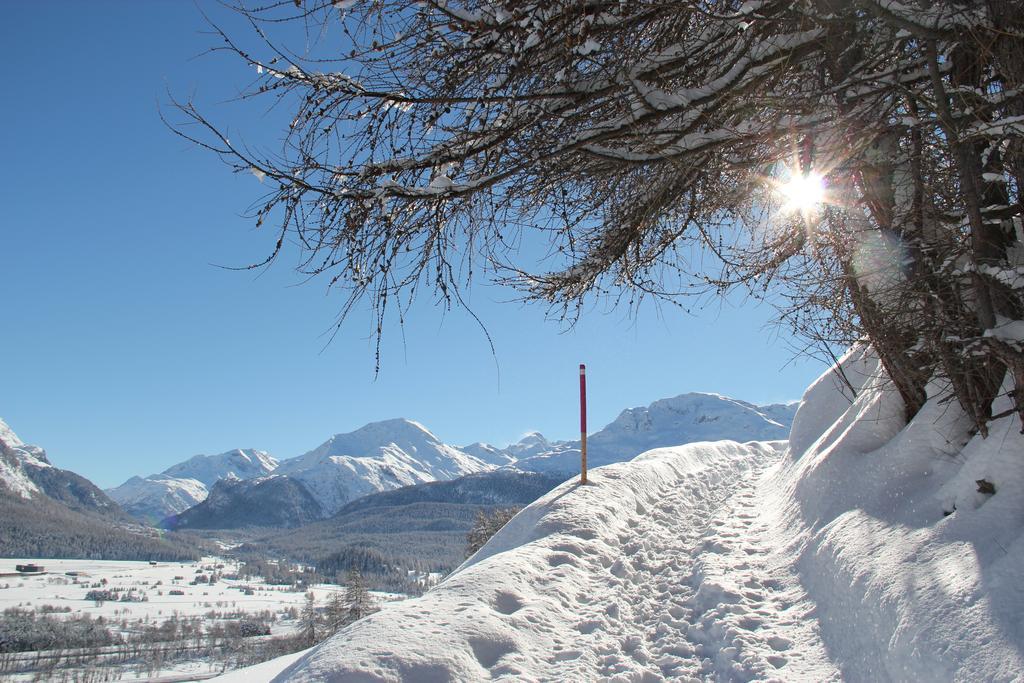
558,559
567,655
714,545
488,651
507,603
585,534
571,548
750,623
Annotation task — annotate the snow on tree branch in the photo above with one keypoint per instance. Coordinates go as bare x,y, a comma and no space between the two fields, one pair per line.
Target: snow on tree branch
648,145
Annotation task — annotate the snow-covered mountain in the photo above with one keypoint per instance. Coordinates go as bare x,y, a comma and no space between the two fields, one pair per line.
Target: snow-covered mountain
492,455
154,497
529,446
188,483
13,457
380,456
386,455
26,472
241,463
377,457
669,422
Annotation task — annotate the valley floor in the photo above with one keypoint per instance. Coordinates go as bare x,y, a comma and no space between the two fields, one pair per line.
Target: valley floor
166,622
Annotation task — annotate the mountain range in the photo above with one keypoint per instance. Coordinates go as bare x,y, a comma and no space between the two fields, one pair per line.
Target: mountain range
423,525
250,488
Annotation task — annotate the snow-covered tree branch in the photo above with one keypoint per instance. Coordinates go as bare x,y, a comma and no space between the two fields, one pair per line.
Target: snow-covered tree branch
652,145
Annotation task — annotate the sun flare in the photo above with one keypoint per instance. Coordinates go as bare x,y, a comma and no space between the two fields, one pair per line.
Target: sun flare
803,192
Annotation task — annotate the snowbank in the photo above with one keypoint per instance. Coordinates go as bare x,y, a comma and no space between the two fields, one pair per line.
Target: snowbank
916,575
864,551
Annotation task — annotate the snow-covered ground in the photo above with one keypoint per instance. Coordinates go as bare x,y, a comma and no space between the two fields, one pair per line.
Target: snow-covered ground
155,582
65,583
841,556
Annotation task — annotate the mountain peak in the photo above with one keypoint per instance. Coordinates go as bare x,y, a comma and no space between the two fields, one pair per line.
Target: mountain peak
396,426
7,436
13,447
408,435
698,408
378,456
243,463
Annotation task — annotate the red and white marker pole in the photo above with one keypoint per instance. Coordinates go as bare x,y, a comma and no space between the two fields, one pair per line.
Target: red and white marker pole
583,423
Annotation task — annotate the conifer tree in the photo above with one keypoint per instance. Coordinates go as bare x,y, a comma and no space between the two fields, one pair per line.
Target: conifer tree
309,622
336,613
358,601
486,525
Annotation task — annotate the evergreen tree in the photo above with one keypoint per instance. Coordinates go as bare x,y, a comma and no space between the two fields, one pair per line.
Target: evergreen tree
358,600
337,613
309,621
486,525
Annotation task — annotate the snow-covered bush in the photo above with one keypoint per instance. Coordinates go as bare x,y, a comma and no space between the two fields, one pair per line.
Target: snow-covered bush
23,630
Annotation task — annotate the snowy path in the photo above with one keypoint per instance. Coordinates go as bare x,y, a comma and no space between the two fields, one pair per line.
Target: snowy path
691,595
658,571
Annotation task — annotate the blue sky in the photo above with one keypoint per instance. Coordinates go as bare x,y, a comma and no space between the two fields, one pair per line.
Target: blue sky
124,350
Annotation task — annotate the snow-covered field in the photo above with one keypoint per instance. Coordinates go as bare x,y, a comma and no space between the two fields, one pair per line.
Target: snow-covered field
861,551
61,591
155,582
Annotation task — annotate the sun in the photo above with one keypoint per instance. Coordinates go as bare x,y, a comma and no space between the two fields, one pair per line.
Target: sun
803,192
